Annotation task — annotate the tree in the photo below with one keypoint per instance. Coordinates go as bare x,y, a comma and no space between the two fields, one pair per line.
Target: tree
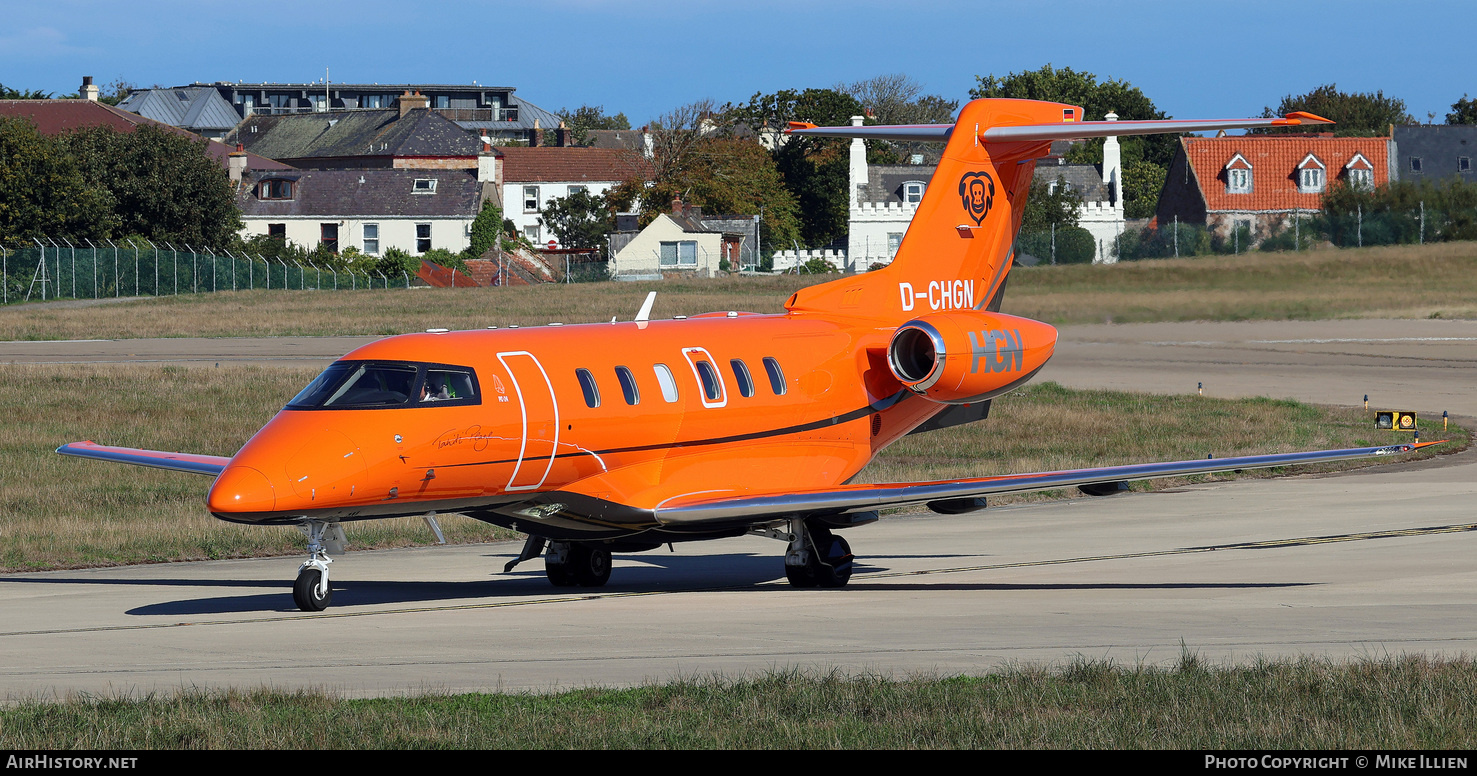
164,185
1355,114
580,220
587,117
729,175
43,191
1097,99
1050,206
1463,111
7,93
487,230
898,99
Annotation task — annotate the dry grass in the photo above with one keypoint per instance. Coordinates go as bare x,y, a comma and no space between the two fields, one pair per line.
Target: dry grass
1404,281
60,512
1380,705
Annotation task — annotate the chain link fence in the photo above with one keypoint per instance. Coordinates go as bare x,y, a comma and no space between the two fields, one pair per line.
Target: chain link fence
45,269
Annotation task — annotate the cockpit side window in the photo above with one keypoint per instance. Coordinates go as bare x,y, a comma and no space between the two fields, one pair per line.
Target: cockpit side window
384,385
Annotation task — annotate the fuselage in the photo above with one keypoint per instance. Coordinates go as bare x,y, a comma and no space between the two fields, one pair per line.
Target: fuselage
579,429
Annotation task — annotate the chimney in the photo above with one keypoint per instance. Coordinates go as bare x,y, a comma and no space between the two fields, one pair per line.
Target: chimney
236,164
538,135
566,136
409,102
486,163
648,146
88,90
677,206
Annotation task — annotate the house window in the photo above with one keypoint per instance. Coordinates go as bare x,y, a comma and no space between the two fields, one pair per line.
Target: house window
1361,179
532,233
422,238
328,236
1310,180
894,241
443,101
1464,163
530,199
424,186
319,102
274,189
277,232
679,254
1238,181
573,189
913,192
1415,164
372,239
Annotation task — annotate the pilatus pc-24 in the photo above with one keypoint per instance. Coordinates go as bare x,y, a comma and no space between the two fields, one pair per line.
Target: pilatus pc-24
624,436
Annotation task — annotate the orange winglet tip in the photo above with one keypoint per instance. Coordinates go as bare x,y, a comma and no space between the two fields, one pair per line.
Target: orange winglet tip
794,125
1299,117
1419,445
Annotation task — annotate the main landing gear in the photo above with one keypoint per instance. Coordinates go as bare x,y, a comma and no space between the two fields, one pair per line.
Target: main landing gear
568,564
312,592
816,557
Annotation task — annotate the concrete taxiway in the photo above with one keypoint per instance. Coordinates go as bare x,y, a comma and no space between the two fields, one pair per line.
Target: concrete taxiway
1359,564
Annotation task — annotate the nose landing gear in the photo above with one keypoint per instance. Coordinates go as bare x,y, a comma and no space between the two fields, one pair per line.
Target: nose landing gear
312,592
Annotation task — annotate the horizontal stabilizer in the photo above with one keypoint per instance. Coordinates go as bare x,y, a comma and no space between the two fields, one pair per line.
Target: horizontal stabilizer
709,508
211,465
1066,130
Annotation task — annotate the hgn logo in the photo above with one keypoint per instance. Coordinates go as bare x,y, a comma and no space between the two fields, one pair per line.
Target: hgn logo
1001,350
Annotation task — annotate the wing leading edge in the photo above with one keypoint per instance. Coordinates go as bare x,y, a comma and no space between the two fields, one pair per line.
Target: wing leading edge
708,508
210,465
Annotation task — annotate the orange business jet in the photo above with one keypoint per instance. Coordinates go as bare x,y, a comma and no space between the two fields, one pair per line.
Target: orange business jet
625,436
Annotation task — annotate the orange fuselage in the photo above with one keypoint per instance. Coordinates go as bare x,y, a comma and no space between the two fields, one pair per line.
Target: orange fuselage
533,452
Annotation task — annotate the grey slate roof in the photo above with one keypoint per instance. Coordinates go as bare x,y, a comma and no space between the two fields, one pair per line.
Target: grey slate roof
354,133
527,114
885,181
1085,179
198,109
365,193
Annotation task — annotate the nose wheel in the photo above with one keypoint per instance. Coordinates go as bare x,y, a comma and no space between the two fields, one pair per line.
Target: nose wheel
312,592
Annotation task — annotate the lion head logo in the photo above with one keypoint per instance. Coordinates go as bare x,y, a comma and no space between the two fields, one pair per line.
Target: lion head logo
977,192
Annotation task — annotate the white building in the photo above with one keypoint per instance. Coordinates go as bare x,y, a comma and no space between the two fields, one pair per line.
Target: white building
685,240
884,199
529,177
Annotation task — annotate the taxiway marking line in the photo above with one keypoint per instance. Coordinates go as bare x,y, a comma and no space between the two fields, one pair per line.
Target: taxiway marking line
1262,545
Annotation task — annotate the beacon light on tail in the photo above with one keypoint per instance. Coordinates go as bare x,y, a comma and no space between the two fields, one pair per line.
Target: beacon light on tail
626,436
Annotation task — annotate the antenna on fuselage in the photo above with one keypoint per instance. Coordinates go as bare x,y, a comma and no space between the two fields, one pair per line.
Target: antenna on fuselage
645,313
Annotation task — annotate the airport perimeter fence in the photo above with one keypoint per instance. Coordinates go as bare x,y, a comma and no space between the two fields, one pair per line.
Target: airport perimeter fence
46,269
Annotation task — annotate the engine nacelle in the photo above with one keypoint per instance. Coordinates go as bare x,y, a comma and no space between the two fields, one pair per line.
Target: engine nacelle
965,357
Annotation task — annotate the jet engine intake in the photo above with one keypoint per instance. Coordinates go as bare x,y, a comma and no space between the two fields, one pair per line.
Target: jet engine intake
966,357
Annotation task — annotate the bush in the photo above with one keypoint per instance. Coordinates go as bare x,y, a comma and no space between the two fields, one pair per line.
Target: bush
1160,243
1074,245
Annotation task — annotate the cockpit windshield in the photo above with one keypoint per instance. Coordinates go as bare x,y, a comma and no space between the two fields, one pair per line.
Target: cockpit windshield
383,385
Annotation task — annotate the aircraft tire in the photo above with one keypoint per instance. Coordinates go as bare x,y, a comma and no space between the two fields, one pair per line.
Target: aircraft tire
560,574
591,565
800,576
305,592
835,569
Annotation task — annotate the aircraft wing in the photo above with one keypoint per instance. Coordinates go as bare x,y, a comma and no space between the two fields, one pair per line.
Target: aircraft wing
211,465
717,508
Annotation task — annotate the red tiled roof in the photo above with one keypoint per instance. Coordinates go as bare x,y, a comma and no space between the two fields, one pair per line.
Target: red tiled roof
548,165
1274,163
53,117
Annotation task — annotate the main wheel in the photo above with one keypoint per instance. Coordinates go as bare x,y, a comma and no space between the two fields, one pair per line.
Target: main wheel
834,570
591,565
800,576
305,592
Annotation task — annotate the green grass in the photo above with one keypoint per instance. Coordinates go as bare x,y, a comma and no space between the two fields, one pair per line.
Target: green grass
59,512
1405,703
1400,281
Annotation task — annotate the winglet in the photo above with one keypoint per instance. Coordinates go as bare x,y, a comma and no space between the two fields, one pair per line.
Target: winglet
1302,117
794,125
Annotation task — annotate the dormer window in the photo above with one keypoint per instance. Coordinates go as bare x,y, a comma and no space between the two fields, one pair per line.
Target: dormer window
1238,175
424,186
1311,176
1359,173
274,189
913,192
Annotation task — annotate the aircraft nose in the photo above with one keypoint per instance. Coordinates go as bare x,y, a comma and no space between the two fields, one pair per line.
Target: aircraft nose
241,489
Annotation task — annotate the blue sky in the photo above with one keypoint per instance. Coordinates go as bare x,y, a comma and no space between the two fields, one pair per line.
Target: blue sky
644,57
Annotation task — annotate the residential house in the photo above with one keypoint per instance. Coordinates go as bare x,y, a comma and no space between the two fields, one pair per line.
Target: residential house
529,177
687,241
371,210
492,111
1260,182
1434,152
194,108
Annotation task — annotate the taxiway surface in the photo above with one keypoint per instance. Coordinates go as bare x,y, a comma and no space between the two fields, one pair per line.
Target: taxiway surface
1358,564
